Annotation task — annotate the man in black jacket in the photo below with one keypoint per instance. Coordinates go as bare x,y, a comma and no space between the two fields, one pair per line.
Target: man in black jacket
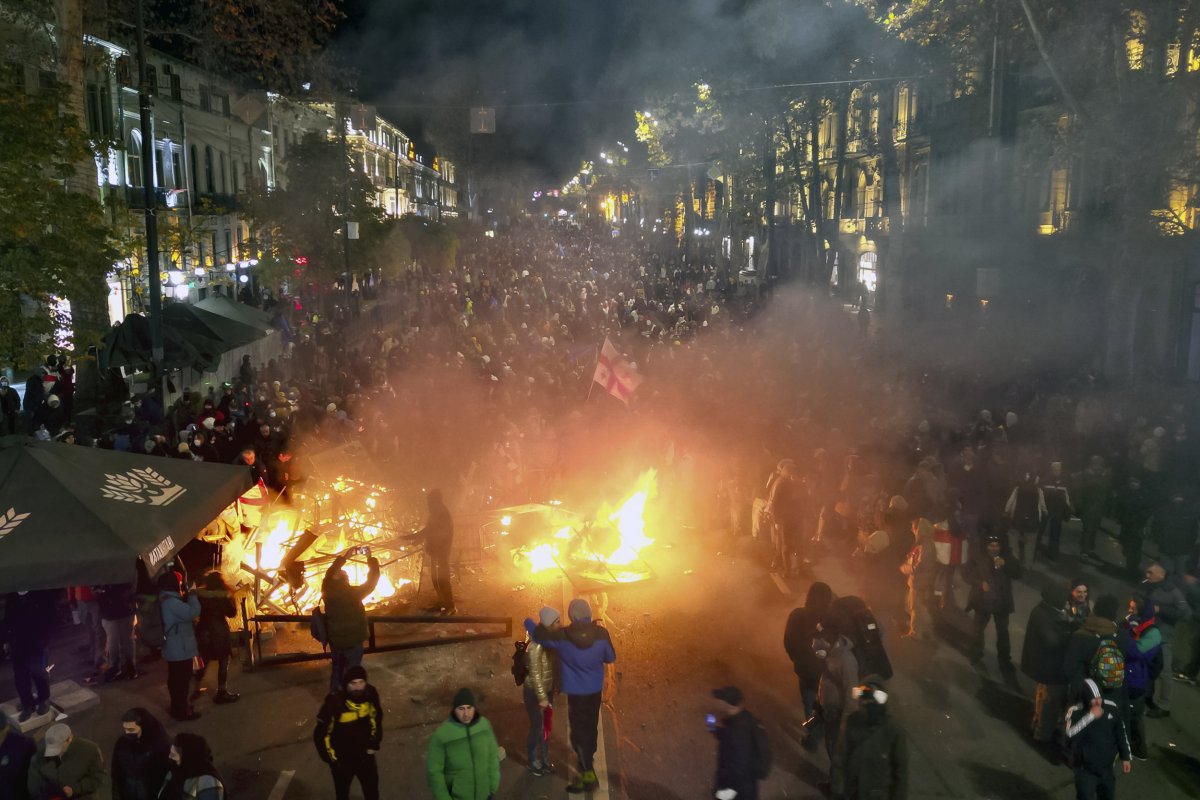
797,641
874,751
16,753
28,619
140,758
1097,734
991,598
739,740
1046,636
438,535
117,605
348,733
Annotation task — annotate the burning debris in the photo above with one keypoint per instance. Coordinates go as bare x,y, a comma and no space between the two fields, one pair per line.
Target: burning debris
604,549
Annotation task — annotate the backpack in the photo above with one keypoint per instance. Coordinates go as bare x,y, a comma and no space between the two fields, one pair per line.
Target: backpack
151,631
762,752
520,665
861,628
318,626
1108,664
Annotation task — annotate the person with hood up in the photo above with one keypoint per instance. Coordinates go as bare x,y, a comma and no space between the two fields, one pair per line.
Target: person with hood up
991,575
1097,735
584,648
192,775
839,676
213,637
798,636
140,758
921,567
16,753
345,616
348,734
874,749
738,734
1141,643
66,766
438,536
541,685
179,611
1046,635
463,762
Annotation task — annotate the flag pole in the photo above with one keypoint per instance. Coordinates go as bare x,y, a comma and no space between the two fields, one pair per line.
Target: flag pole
592,382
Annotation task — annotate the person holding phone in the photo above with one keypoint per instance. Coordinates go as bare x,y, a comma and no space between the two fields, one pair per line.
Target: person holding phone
345,615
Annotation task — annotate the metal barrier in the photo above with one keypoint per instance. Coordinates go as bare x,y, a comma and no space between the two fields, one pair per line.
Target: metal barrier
257,658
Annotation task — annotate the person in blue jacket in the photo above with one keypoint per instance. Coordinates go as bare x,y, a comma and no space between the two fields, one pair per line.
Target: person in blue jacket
584,647
1141,643
179,612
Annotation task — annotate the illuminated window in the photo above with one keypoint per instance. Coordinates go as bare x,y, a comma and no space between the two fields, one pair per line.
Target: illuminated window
868,273
1135,41
133,158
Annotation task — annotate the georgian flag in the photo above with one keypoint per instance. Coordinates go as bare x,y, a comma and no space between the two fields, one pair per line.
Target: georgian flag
614,373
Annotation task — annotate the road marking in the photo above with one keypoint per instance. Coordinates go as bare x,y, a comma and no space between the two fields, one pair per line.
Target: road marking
281,785
779,582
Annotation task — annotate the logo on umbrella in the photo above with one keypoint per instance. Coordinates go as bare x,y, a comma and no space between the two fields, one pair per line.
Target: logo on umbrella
9,520
141,486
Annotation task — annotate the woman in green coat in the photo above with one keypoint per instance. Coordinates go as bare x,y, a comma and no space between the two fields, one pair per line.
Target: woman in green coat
464,759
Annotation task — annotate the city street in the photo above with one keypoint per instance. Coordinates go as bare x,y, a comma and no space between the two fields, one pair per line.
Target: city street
711,617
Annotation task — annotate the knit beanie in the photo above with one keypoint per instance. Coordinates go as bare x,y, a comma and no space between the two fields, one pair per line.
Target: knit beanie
548,616
355,673
463,697
579,610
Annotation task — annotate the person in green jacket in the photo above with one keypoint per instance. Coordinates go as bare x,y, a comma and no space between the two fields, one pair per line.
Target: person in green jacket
66,766
464,759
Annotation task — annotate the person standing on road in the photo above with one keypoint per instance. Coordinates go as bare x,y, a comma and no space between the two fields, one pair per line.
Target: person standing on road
584,648
1045,646
345,617
797,641
179,611
1097,735
28,620
140,758
786,506
1098,628
874,750
1172,607
463,762
839,676
1058,509
117,605
192,775
66,766
348,734
213,637
438,536
1025,509
921,567
1141,644
541,685
740,742
991,575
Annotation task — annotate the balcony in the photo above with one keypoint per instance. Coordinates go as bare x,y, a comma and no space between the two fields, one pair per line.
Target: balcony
163,198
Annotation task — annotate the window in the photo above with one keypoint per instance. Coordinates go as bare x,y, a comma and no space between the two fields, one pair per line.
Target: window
224,175
195,169
160,179
1135,41
98,108
133,159
234,165
209,185
46,79
205,98
14,73
151,79
176,88
177,169
868,273
228,246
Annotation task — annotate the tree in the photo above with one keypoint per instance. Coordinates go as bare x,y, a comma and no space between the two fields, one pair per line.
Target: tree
54,241
305,219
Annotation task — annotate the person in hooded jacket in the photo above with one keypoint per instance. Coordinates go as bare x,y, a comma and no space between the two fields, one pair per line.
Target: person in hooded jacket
738,733
839,676
213,637
1046,635
348,734
1083,644
797,641
141,757
345,615
1141,643
1096,730
192,775
584,648
873,748
179,611
463,762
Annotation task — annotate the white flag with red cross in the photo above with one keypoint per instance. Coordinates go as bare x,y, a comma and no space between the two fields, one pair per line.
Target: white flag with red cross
615,374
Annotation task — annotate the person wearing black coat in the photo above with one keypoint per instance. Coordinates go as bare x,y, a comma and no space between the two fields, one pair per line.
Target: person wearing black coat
797,641
213,637
140,758
28,621
1042,654
874,751
736,730
991,598
16,754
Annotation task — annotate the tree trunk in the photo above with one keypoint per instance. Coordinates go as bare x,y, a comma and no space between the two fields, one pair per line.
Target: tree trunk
814,187
846,280
769,158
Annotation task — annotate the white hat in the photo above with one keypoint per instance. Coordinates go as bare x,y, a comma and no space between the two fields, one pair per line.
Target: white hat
58,736
332,407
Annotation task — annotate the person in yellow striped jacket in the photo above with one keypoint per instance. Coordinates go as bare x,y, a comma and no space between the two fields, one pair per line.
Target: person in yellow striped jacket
348,734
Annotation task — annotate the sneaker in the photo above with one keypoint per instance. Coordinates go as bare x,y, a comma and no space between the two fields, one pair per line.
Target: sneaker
590,781
25,715
224,697
1140,755
43,708
1184,678
540,770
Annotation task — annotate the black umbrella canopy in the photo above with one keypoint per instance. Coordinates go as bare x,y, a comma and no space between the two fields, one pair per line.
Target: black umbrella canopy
72,515
239,312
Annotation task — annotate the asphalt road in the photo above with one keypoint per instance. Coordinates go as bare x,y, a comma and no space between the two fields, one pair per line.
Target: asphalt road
711,617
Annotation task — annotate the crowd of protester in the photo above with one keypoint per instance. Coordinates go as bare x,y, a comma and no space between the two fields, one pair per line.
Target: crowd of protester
775,415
